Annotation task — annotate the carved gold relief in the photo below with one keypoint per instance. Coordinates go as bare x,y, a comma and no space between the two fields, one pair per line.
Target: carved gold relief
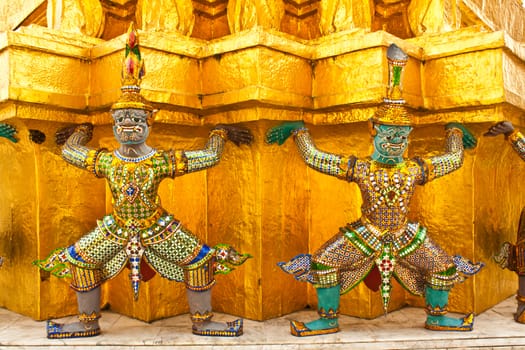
247,14
433,16
210,8
391,16
339,15
165,16
76,16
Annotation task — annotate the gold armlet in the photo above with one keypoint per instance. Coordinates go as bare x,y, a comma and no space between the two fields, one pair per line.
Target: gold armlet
83,129
429,165
223,134
515,136
180,163
91,159
298,132
346,164
454,130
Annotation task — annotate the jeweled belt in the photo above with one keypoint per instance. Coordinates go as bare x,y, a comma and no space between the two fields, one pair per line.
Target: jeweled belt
140,223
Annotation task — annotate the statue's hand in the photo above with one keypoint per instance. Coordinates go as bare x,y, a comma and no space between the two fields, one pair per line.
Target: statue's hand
84,130
280,133
37,136
504,127
469,140
8,131
237,134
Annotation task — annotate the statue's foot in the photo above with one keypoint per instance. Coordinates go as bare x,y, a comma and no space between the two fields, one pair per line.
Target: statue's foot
218,329
519,316
72,330
444,323
317,327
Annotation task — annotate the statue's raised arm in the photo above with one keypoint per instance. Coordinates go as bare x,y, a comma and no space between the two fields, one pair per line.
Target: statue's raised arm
196,160
322,161
74,149
458,138
510,255
514,136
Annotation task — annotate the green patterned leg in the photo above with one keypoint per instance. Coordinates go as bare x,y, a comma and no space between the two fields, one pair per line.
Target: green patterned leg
328,309
437,303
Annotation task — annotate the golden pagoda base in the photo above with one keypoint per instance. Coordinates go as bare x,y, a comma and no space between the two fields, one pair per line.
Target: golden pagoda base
262,199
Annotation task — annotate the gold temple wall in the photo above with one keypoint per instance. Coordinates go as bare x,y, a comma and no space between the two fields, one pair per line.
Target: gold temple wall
41,205
260,198
18,239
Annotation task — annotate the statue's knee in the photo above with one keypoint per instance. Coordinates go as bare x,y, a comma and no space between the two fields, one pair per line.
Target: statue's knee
200,276
84,280
324,276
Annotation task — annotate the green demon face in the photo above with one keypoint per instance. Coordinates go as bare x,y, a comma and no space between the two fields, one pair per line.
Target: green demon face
390,142
130,126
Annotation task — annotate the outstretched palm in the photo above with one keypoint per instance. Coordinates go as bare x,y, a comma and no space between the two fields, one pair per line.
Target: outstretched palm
237,134
8,131
62,134
280,133
504,127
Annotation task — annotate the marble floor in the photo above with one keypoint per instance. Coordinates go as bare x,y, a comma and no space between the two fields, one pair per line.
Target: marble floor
494,329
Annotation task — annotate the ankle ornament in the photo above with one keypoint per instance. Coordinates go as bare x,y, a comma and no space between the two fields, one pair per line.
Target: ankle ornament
436,310
88,318
199,318
330,314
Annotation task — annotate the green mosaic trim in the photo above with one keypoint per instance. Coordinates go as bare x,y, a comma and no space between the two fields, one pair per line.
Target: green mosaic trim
319,266
357,241
418,239
449,272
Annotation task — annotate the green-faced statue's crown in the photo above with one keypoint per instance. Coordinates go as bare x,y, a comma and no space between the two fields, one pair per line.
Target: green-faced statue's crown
393,111
133,71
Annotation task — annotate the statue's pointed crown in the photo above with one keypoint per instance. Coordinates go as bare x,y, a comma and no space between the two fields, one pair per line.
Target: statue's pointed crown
393,111
133,70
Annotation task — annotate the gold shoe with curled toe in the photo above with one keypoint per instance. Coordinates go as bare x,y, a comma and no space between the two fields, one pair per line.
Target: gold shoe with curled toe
519,316
233,329
57,331
299,329
448,324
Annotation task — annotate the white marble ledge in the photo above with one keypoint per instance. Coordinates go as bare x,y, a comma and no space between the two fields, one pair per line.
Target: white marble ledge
403,329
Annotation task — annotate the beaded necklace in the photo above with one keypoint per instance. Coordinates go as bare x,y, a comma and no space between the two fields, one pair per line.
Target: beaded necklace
134,159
